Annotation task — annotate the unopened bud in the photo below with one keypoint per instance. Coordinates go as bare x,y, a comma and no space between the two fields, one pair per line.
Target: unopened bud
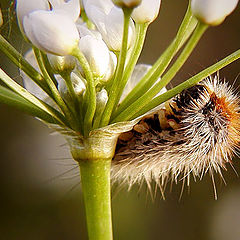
147,11
213,12
51,32
61,64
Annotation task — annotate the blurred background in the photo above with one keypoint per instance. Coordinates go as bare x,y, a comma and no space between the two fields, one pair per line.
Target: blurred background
40,195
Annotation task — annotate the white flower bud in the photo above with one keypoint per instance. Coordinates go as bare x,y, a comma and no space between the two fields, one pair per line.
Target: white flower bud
71,8
96,53
111,68
24,7
1,18
101,99
78,85
29,84
61,64
51,32
109,21
139,71
147,11
127,3
213,12
84,31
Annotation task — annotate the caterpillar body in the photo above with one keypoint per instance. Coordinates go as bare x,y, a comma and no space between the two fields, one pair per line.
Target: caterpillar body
196,132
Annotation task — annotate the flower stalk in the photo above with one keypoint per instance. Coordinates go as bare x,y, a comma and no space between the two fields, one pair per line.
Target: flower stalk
130,111
120,68
95,179
189,82
91,91
187,26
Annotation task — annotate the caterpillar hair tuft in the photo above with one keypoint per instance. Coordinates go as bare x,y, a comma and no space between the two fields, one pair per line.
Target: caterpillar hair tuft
196,132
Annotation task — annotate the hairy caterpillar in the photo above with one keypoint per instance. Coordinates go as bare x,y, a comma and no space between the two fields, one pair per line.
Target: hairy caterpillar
196,132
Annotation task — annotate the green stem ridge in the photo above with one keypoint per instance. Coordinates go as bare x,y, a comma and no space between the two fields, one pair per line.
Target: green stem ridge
95,178
12,99
187,26
90,97
129,112
189,83
22,64
119,71
55,93
26,95
141,30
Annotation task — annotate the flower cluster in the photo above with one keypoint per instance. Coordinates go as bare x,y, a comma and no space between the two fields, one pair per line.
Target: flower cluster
81,48
81,77
87,55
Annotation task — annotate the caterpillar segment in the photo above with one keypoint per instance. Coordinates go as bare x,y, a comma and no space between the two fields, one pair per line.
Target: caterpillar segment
197,131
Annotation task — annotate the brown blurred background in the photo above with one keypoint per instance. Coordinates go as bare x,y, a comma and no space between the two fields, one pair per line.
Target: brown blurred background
38,202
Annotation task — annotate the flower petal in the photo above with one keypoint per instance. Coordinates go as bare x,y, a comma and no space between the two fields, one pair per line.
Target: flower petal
51,32
70,8
147,11
24,7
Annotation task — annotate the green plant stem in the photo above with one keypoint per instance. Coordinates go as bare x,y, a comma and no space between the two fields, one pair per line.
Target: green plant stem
189,83
141,30
119,71
187,26
48,67
90,96
28,96
22,64
95,178
12,99
56,95
129,112
67,77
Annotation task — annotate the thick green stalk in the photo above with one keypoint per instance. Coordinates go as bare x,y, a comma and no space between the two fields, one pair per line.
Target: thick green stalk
129,112
189,83
119,71
95,178
187,26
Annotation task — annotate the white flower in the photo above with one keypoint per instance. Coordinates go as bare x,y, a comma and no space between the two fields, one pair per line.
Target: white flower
51,32
60,64
100,59
78,85
213,12
127,3
97,54
147,11
111,68
24,7
109,22
101,99
28,83
70,8
139,71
